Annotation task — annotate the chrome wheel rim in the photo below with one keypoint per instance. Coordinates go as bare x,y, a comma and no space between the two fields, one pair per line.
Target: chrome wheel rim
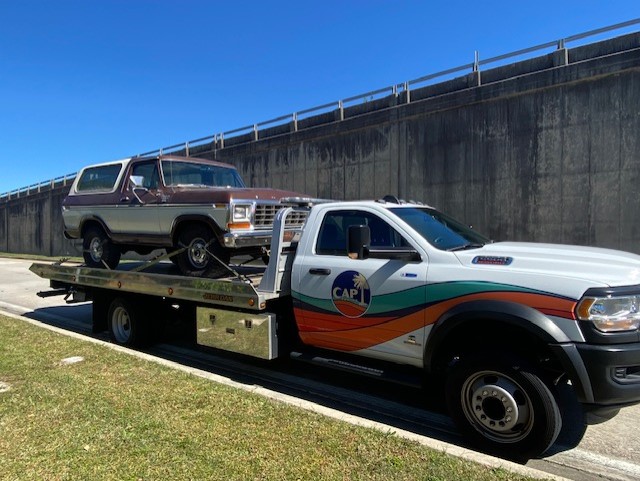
96,251
497,406
198,256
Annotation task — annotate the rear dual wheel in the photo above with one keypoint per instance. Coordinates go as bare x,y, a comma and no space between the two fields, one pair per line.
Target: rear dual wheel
126,323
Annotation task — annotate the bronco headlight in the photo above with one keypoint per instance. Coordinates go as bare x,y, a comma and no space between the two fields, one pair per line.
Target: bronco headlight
241,212
240,217
611,314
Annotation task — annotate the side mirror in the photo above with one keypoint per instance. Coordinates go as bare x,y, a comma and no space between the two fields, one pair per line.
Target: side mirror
358,240
136,187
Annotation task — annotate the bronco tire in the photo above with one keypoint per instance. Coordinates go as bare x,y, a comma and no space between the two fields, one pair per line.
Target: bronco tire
98,250
503,407
197,259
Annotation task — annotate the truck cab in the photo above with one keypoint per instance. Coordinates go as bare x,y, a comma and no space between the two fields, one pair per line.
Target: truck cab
505,324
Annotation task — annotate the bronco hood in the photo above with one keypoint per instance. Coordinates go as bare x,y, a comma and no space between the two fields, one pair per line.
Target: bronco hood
226,194
597,266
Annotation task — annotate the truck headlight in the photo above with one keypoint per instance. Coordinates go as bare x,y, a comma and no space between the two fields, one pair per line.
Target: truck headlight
241,212
611,314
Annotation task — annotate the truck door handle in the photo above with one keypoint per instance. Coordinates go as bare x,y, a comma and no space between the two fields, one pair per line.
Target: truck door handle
319,272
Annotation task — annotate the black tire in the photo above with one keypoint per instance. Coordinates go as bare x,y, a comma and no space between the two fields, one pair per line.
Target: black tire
196,259
126,326
503,407
98,250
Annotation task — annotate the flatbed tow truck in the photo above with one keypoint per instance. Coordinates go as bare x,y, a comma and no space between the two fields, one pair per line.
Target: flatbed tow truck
497,327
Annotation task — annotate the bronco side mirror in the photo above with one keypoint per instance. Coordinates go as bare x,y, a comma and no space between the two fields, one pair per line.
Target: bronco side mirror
358,240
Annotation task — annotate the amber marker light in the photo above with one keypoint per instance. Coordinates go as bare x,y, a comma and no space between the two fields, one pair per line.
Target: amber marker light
170,291
239,225
252,302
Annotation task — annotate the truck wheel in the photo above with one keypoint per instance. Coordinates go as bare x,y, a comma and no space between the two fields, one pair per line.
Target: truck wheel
125,324
98,250
503,408
196,260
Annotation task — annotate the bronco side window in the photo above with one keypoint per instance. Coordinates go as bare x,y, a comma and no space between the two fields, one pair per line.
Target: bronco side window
101,178
332,239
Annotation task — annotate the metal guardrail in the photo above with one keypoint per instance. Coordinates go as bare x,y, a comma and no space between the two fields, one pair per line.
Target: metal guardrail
339,105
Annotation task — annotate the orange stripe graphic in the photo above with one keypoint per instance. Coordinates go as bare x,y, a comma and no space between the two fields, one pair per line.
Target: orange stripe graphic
334,331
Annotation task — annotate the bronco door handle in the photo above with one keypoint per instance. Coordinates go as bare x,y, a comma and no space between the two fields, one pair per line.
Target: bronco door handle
319,272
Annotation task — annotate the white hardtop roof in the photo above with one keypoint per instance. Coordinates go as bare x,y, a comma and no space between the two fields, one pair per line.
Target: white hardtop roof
111,162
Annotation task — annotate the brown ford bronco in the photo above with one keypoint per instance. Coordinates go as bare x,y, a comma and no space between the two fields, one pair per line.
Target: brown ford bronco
198,206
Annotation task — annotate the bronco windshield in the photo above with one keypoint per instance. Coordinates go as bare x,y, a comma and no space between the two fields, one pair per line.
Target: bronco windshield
440,230
177,173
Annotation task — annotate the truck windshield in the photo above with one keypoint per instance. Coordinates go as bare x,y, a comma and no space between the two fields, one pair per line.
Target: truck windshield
440,230
178,173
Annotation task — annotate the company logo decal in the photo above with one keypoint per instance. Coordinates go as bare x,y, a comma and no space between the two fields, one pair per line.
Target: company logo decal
350,294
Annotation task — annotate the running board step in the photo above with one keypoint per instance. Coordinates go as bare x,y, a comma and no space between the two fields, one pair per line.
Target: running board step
342,365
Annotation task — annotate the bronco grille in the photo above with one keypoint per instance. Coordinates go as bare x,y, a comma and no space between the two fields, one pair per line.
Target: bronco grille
266,214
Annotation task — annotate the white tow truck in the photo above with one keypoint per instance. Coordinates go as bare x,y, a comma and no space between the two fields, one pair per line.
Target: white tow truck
497,327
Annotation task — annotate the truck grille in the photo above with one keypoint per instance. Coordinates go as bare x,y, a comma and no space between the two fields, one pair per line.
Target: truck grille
266,214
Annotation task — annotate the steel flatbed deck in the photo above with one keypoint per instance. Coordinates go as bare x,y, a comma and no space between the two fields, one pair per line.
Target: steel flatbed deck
241,291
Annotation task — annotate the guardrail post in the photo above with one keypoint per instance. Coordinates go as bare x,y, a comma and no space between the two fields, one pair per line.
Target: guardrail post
255,131
476,70
562,54
341,109
186,149
294,121
408,92
221,140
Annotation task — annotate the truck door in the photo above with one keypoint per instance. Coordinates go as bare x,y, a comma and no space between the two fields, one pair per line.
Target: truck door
373,307
139,213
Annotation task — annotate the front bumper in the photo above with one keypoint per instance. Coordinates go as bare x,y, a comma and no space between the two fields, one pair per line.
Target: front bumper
237,240
614,372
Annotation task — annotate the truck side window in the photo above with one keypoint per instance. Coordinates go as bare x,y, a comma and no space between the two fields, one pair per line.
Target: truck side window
332,239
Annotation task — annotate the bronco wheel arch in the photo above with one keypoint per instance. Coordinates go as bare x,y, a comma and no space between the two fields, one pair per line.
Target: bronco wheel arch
91,221
506,326
181,221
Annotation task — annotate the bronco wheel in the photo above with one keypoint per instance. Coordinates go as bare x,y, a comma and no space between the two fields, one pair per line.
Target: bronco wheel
196,259
125,325
98,250
503,407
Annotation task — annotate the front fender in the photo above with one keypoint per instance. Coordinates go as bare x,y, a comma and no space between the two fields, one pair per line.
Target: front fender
519,316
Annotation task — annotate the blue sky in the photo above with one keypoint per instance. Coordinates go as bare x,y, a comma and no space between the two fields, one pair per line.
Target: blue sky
87,81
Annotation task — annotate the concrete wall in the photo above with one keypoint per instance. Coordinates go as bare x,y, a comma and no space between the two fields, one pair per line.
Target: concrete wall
33,225
545,150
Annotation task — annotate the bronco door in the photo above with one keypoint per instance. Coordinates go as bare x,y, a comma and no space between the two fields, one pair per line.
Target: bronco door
138,215
373,307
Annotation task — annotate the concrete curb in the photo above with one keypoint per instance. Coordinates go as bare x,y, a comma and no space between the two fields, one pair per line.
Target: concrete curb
451,449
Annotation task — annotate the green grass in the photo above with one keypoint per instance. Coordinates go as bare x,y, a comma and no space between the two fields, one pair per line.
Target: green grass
114,416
